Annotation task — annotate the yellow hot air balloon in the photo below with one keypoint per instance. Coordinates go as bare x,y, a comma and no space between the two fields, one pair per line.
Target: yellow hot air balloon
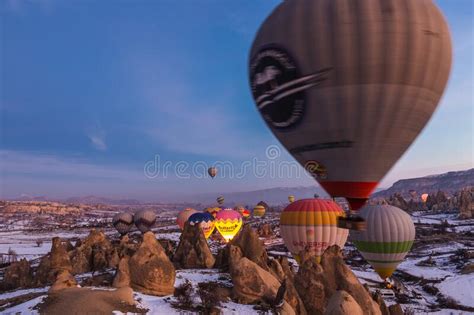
291,198
389,236
259,211
205,221
346,86
312,224
228,223
212,171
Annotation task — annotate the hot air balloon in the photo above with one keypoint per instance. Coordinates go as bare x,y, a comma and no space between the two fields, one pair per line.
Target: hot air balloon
228,223
424,197
220,200
123,222
205,220
212,171
388,238
243,212
291,198
346,86
213,210
144,220
316,196
183,216
312,224
259,211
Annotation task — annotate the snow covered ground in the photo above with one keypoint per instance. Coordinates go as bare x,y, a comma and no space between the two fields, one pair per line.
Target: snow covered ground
444,274
459,288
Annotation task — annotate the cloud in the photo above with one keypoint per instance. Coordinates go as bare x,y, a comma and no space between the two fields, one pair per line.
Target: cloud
97,137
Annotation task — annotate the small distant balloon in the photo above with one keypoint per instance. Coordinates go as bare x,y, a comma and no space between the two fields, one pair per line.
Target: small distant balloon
183,216
144,220
424,197
212,171
213,210
291,198
123,222
205,221
258,211
243,212
316,196
220,200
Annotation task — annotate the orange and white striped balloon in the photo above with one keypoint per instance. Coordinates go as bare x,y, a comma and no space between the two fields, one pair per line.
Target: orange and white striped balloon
312,224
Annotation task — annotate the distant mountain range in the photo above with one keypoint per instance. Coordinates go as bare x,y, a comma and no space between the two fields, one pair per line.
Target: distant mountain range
272,196
446,182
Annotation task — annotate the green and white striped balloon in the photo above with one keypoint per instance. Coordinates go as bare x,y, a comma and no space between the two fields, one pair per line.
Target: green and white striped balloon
389,236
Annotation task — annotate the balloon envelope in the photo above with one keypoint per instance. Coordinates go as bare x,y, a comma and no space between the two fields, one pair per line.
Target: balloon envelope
424,197
220,200
144,220
123,222
183,216
212,171
205,221
312,224
259,211
389,236
228,223
346,86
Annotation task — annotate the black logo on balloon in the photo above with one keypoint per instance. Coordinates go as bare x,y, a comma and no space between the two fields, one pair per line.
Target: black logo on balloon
316,169
278,88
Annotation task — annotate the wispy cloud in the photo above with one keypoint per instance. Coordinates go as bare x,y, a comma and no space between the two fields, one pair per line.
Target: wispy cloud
96,136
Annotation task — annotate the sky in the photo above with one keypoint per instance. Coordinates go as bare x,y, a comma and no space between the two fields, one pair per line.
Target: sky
134,99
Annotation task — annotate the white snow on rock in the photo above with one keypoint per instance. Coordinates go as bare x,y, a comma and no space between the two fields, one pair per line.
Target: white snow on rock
431,273
12,294
25,308
459,288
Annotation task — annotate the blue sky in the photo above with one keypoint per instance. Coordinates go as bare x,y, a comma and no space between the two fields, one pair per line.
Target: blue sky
93,90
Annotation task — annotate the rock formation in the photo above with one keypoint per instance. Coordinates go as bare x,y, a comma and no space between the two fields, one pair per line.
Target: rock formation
193,251
18,274
122,276
316,283
59,258
251,246
92,254
64,280
252,283
265,230
342,303
466,204
151,271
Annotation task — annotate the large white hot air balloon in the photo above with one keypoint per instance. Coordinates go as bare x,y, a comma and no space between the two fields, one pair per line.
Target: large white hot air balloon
346,86
389,236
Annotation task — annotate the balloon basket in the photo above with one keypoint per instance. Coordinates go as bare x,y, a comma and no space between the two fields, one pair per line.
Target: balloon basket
352,223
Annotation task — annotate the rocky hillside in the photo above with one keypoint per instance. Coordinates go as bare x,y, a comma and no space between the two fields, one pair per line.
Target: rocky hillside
42,207
448,182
